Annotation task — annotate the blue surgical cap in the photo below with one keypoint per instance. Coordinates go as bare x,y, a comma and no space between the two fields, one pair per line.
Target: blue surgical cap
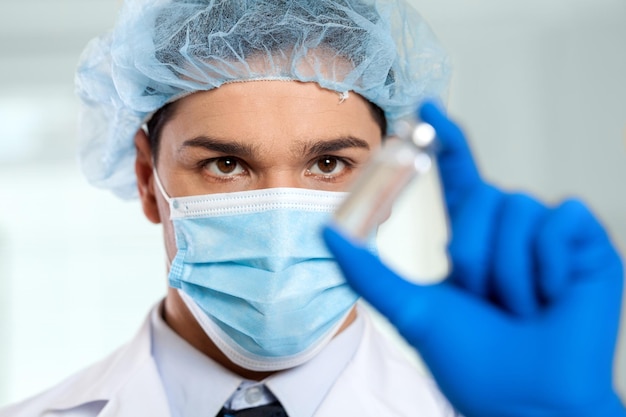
162,50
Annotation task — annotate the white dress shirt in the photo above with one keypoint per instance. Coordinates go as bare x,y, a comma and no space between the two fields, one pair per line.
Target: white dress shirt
197,386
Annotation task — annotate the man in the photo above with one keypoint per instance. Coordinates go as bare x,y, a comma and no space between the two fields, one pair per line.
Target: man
258,115
242,175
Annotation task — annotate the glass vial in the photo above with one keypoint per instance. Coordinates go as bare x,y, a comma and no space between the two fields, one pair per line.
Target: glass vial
405,156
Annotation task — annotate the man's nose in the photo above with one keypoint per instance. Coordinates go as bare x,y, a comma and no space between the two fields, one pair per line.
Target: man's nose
279,179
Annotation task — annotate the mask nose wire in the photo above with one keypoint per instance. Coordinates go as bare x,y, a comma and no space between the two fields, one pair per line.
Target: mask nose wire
160,186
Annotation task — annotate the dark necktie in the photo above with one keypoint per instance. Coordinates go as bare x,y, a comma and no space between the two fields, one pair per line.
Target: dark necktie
270,410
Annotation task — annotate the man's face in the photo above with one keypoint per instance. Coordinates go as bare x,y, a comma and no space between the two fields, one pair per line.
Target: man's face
263,134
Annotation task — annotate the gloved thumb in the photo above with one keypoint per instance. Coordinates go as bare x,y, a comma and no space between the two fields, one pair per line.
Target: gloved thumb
408,306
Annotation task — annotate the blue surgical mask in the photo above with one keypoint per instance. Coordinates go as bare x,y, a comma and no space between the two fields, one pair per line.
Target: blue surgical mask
254,271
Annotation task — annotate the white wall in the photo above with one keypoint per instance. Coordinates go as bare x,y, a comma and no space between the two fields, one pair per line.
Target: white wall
538,85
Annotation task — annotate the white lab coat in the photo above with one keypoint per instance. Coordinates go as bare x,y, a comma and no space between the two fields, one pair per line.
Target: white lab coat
377,382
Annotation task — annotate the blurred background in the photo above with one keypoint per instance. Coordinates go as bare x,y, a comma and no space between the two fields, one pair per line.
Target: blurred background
539,86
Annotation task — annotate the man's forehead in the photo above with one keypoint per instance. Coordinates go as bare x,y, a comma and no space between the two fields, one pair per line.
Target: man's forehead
253,106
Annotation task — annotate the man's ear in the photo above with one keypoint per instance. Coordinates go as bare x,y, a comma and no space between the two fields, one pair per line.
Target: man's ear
145,177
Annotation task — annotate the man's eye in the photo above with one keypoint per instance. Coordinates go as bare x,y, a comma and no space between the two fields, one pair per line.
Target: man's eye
327,165
224,166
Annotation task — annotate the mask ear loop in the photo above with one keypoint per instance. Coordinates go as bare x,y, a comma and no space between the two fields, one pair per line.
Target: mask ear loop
167,198
157,180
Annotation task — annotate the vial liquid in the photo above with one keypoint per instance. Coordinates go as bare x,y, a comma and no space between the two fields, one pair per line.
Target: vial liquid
405,156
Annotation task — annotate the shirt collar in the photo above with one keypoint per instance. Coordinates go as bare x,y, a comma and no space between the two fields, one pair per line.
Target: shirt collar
198,386
302,389
195,385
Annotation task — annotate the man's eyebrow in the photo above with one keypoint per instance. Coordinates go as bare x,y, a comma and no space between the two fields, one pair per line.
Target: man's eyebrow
329,146
219,145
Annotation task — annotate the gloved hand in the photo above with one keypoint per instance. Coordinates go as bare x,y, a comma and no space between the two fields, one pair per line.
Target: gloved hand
525,325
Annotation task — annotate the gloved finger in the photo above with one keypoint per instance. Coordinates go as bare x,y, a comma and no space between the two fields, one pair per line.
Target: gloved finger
471,246
459,174
513,279
572,245
403,303
581,282
453,330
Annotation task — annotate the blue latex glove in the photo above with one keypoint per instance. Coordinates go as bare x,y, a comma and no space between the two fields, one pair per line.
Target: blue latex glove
525,326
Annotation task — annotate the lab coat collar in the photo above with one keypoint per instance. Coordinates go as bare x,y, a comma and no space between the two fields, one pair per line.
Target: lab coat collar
128,374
